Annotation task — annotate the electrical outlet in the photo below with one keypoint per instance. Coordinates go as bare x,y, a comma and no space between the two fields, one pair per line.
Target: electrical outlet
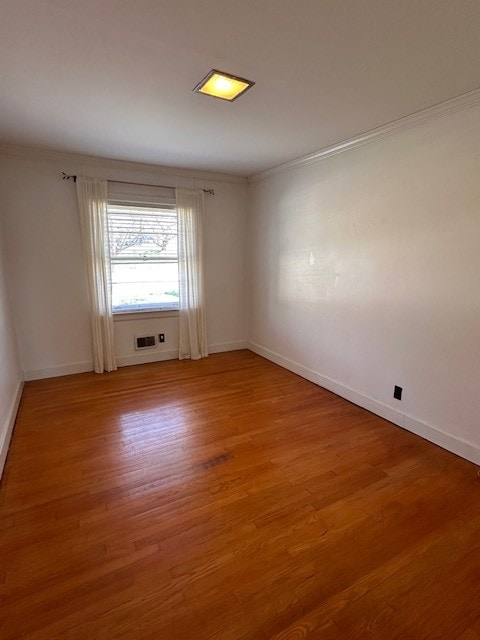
161,337
397,392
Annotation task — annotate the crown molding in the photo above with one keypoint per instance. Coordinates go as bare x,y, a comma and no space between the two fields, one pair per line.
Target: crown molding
464,101
76,160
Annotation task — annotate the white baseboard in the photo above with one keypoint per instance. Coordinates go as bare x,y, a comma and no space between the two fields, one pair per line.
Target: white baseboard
146,357
227,346
142,357
460,447
7,430
158,356
61,370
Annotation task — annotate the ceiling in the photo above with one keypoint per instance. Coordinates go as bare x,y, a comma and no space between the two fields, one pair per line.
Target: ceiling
114,78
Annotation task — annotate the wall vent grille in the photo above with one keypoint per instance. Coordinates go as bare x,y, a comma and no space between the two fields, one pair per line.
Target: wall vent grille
144,342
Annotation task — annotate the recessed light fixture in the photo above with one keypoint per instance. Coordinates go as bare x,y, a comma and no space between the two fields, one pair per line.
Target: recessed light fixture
223,85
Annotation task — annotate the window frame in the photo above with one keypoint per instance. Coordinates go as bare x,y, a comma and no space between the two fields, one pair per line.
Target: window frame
148,201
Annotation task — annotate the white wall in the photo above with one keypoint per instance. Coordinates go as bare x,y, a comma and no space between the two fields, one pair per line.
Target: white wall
45,262
11,376
365,272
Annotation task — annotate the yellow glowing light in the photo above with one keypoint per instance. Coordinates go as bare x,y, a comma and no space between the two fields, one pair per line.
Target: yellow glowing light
220,85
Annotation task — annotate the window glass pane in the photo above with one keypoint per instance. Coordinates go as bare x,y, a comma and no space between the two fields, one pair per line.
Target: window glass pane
143,253
145,285
142,233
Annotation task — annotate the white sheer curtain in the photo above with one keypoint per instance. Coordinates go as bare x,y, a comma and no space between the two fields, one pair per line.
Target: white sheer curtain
193,329
92,201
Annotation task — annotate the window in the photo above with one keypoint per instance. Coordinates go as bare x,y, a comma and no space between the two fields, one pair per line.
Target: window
143,256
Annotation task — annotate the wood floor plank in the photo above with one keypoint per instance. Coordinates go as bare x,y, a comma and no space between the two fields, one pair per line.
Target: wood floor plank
228,499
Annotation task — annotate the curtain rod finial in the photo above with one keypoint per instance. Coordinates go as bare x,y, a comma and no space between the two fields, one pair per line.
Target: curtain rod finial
67,177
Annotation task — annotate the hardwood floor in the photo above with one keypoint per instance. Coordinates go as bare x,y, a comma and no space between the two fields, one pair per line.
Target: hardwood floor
229,499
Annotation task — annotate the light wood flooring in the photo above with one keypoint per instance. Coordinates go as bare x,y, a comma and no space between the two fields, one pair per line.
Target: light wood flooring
229,499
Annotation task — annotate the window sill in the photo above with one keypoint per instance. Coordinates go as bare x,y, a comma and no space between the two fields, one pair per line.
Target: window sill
124,316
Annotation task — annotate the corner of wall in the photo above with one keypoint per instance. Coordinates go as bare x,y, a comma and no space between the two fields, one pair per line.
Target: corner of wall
7,427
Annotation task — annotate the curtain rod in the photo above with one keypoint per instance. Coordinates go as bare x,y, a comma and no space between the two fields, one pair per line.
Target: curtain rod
137,184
